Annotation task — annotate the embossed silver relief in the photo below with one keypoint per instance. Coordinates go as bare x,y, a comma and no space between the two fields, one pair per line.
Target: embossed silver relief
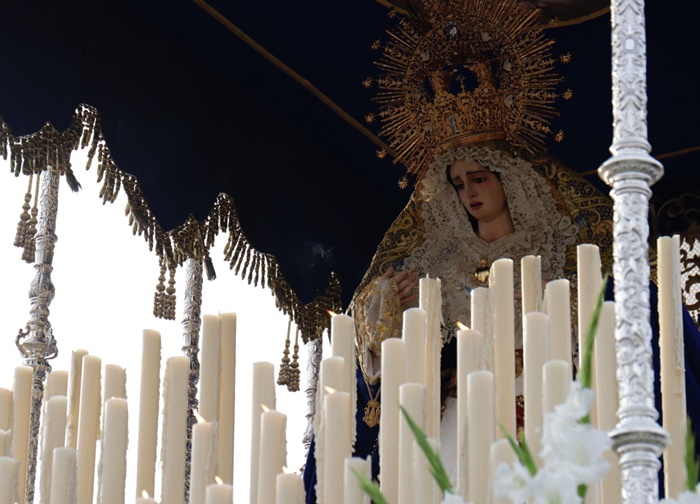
638,438
192,322
36,342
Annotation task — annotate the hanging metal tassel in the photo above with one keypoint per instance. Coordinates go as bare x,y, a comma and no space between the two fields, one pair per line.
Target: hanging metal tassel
284,375
72,181
30,234
294,371
24,216
170,303
159,296
209,266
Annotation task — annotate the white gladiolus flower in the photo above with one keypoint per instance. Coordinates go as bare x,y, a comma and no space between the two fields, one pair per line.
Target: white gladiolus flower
554,487
451,498
685,497
512,482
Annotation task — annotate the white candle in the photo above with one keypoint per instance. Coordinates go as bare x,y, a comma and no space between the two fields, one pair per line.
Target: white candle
531,283
480,434
5,409
430,299
22,397
56,384
177,376
115,382
412,398
501,453
467,355
227,401
414,327
535,354
149,402
393,376
5,443
343,345
353,491
64,476
273,454
9,480
219,494
113,456
606,377
501,283
558,307
263,393
426,488
337,444
482,322
290,489
557,380
53,427
145,499
74,380
672,361
210,369
88,426
205,458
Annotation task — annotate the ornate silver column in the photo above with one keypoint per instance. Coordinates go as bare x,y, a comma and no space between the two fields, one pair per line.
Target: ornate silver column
36,343
191,323
638,438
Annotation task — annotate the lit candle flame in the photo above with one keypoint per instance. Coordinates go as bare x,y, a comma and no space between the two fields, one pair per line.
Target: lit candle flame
264,408
461,326
144,494
285,469
218,480
331,313
330,390
200,418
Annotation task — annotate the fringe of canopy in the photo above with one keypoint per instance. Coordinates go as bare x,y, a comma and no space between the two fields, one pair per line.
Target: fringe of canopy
31,155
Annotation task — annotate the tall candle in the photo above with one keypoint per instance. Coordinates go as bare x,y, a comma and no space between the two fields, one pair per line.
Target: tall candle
64,476
337,444
9,480
501,453
482,322
414,334
393,376
114,441
5,443
219,494
290,489
5,409
531,283
480,434
467,355
332,375
343,345
56,384
501,283
88,426
426,488
74,380
227,400
430,299
177,375
606,377
672,361
115,382
263,393
557,381
273,454
210,369
558,307
412,398
53,436
535,354
205,459
149,402
22,396
353,491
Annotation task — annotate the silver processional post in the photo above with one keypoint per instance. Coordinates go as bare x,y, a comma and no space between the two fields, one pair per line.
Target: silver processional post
36,343
637,438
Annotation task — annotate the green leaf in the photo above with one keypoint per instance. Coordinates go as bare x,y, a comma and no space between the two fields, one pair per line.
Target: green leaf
436,467
585,374
522,450
370,487
691,463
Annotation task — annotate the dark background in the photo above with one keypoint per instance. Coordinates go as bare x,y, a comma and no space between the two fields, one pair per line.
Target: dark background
193,111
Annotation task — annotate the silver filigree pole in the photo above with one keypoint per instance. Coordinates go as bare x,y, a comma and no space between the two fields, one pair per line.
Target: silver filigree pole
36,343
192,323
637,438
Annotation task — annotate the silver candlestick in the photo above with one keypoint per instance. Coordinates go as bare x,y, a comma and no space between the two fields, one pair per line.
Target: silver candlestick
36,343
637,438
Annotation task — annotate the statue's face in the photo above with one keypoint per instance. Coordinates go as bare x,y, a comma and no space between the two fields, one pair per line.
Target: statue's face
480,190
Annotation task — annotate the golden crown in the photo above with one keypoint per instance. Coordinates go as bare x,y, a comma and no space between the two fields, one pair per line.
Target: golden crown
456,72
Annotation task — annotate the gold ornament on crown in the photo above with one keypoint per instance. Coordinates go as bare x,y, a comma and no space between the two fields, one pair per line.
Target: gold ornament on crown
460,72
